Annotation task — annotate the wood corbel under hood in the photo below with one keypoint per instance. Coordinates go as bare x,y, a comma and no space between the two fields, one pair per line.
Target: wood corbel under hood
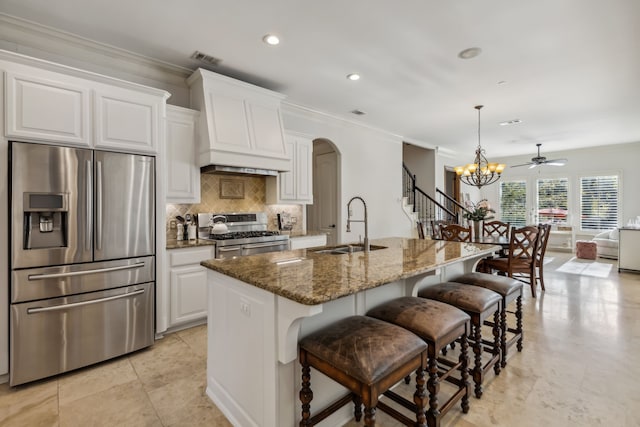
240,124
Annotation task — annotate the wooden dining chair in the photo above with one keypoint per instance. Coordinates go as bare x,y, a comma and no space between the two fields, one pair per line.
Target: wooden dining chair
496,228
520,262
435,228
455,233
420,226
543,239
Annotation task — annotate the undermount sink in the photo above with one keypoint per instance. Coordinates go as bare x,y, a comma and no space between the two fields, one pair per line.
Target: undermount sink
346,249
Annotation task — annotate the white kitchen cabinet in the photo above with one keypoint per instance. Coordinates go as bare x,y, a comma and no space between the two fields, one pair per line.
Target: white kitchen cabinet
629,249
295,186
47,106
183,175
188,284
309,241
127,120
240,124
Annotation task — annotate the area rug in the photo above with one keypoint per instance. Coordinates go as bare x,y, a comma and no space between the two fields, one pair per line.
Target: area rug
585,268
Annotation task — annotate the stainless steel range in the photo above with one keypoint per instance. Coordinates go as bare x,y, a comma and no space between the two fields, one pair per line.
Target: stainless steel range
245,234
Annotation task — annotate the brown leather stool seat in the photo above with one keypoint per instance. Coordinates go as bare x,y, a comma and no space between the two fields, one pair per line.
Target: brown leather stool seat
438,324
510,290
367,356
478,303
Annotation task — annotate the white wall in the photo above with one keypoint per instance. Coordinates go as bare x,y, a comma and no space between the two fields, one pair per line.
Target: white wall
422,163
370,167
611,159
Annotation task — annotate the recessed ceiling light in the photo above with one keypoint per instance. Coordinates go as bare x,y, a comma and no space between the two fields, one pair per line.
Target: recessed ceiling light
511,122
353,76
502,82
472,52
271,39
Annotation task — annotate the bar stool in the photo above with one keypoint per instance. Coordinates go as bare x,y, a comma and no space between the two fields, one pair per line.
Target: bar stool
510,290
367,356
479,304
438,324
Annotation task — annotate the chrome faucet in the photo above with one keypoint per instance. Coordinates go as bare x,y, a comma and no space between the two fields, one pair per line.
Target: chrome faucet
365,220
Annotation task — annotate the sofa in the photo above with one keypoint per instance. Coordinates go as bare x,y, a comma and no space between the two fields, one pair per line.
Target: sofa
607,242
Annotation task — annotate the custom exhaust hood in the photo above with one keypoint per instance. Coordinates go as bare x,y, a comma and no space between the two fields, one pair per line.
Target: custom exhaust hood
240,127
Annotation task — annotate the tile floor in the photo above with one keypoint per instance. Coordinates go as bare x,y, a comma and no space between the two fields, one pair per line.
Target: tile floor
580,367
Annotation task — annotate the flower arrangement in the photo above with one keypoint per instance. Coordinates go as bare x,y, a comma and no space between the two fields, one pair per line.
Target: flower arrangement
478,211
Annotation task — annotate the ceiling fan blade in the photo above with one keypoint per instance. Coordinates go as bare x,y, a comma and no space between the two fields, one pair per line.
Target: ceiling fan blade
524,164
533,165
556,162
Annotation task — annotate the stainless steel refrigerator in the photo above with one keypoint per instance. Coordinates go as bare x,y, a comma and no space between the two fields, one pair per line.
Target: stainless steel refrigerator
82,257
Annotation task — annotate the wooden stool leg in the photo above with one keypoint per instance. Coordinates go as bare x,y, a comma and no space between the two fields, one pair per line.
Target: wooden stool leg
420,398
306,395
477,366
369,416
464,371
497,340
503,341
357,407
519,322
433,385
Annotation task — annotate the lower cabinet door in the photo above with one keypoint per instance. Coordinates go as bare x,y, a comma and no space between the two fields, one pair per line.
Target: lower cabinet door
188,294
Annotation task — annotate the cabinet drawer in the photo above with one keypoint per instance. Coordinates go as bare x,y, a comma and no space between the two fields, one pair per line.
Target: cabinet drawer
179,257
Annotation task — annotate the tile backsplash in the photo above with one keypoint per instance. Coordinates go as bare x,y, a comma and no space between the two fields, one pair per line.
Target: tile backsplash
254,200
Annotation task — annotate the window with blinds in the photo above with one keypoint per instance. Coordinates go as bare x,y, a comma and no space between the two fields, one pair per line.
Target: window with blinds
599,202
513,202
553,200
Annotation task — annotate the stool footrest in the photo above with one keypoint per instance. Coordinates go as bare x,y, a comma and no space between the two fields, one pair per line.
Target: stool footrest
395,414
330,409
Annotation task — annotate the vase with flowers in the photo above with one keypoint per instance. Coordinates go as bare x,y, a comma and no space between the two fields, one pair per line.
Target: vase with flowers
477,212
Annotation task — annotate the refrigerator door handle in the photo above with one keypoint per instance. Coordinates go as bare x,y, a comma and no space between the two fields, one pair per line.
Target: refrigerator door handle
88,204
80,304
99,205
84,272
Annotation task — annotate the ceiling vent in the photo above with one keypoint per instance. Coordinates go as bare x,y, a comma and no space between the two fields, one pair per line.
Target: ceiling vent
207,59
358,112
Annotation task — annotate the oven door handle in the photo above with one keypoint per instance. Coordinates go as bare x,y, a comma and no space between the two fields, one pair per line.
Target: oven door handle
263,245
82,273
80,304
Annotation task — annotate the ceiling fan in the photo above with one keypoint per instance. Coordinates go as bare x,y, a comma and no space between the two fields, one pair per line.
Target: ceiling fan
541,160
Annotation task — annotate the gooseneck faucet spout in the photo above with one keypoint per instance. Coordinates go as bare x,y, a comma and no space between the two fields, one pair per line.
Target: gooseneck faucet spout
365,220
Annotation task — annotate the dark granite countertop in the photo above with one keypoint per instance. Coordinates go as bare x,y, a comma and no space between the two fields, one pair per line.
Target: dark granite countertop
311,278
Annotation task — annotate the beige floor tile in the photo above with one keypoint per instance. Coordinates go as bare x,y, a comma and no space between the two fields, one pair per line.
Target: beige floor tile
170,359
196,339
29,405
184,402
122,405
85,382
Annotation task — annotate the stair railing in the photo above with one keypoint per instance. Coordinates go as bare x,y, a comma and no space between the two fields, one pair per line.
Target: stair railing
450,203
427,209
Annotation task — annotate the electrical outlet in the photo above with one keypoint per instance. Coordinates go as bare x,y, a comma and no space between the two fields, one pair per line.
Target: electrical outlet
172,224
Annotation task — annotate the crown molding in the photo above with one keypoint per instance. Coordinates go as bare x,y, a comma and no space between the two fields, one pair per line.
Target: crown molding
31,38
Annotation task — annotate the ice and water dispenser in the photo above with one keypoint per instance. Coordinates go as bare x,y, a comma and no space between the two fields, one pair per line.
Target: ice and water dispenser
45,220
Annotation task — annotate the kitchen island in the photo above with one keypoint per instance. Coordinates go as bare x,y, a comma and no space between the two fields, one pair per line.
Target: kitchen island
261,305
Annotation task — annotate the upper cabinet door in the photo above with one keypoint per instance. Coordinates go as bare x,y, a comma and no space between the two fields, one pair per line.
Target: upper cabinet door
183,174
126,120
52,108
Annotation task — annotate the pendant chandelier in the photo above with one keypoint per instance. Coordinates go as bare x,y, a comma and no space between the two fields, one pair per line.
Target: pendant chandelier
480,172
